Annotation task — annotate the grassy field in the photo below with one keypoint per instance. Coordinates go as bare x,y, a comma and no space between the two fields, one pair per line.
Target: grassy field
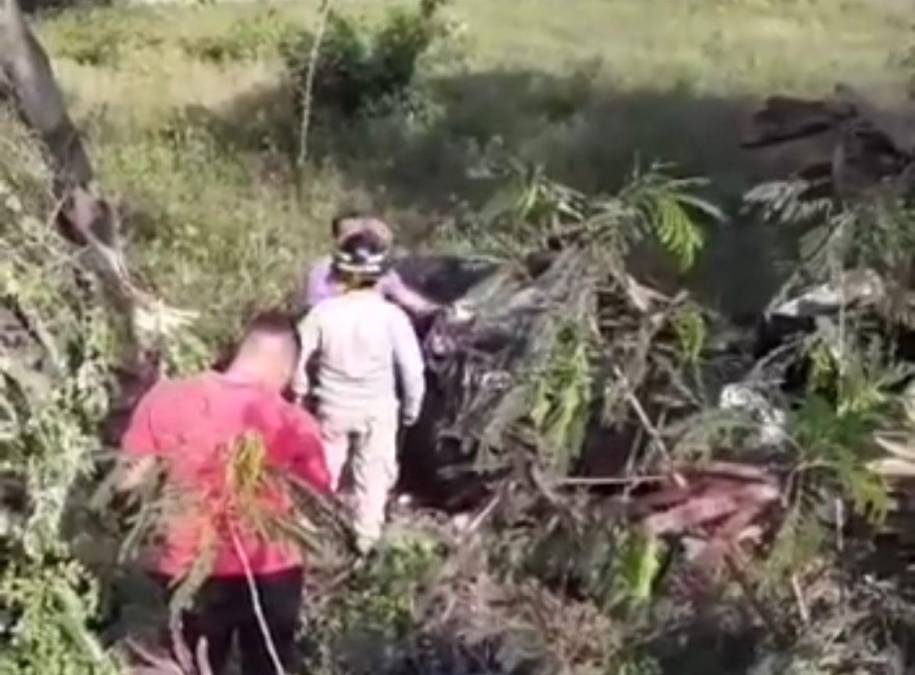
189,116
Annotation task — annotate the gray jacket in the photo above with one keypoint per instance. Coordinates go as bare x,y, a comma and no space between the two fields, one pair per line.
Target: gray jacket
362,344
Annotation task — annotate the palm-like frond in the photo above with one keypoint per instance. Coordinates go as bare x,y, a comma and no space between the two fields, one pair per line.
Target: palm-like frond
538,213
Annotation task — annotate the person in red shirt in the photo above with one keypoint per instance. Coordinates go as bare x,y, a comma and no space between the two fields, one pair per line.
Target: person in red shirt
191,425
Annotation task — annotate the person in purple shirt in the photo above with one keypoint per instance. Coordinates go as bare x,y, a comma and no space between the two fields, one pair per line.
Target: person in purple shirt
322,282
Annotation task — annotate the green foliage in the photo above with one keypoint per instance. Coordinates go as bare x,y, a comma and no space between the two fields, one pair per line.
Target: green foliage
383,596
361,68
529,204
798,542
53,601
840,442
53,393
692,333
784,203
531,212
877,235
663,207
376,611
259,37
614,567
637,566
851,399
562,396
207,232
639,665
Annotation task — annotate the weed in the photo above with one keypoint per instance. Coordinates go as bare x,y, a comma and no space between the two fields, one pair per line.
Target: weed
365,626
692,333
562,397
851,399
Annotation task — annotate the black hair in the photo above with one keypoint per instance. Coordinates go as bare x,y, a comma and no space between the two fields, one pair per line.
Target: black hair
337,220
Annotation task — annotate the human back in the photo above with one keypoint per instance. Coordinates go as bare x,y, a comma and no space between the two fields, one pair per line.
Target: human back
363,347
194,425
360,334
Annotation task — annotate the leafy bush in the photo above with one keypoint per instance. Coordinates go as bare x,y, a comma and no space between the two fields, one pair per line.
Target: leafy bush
383,597
358,67
56,351
248,39
852,397
374,616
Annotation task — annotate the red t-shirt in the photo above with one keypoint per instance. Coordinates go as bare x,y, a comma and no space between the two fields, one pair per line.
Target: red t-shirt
191,423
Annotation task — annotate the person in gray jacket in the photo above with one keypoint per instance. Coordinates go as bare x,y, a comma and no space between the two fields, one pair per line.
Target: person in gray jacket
362,346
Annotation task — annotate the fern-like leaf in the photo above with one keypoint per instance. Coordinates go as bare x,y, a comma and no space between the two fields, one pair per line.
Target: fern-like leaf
676,231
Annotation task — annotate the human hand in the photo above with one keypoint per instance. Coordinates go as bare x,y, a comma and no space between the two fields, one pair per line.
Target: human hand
131,473
299,397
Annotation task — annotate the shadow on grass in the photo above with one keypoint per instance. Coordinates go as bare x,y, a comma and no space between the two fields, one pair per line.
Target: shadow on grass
50,6
415,162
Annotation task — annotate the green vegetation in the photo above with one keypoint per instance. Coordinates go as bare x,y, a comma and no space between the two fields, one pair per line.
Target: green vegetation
192,115
52,393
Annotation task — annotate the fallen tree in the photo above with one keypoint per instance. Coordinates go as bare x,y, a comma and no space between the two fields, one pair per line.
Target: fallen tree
749,495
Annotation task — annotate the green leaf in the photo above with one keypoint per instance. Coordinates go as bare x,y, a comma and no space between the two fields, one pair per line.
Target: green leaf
689,325
676,231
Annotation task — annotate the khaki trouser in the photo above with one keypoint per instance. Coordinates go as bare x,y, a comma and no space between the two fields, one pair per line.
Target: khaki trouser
368,442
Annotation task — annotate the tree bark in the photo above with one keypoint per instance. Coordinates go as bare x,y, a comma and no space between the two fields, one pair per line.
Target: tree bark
27,76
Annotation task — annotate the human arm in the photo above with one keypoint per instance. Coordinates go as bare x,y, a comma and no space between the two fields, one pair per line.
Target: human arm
318,284
309,341
413,302
139,446
408,360
133,472
305,451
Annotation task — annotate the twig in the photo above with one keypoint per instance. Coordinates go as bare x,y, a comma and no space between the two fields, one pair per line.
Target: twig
182,651
256,602
840,524
646,422
631,480
801,603
464,550
323,13
481,517
37,330
757,606
162,665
